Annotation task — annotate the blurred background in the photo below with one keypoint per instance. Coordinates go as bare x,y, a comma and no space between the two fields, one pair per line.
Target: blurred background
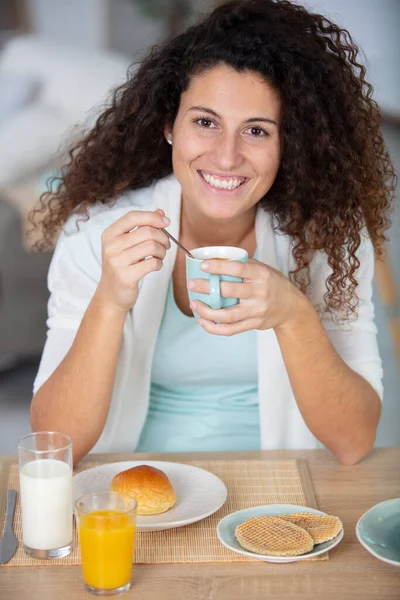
58,60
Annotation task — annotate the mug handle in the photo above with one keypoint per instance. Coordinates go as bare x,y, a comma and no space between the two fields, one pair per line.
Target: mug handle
215,292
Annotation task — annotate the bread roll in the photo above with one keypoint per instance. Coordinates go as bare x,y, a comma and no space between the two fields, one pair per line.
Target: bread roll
150,487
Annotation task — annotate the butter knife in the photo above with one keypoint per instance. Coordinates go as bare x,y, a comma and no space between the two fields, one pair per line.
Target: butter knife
9,543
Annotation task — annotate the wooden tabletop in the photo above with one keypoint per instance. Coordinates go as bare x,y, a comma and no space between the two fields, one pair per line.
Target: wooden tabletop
350,573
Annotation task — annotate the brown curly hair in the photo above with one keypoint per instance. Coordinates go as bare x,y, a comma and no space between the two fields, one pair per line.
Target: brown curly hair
335,175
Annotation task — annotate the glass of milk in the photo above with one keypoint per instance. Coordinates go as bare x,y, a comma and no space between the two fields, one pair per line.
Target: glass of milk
45,475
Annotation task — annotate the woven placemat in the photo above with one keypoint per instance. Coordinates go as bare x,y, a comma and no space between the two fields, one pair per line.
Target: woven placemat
249,483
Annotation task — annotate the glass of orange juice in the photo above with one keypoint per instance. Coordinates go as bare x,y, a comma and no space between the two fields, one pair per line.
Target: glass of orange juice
106,527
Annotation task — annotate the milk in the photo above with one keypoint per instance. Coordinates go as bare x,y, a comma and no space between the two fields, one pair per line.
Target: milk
46,504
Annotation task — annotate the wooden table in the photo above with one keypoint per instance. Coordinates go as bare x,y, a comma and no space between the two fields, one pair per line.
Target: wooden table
350,573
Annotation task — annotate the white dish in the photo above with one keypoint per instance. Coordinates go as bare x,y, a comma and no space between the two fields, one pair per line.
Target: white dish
226,531
199,492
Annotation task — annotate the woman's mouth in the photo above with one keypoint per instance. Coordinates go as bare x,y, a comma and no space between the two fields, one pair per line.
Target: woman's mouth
220,183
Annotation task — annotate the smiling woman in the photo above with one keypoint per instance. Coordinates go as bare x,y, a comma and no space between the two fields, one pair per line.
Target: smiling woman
256,129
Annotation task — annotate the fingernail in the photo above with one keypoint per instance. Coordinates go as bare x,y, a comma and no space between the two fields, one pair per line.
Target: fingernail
191,285
205,266
166,221
201,322
193,304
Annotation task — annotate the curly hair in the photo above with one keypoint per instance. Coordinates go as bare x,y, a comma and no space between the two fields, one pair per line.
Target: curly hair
335,176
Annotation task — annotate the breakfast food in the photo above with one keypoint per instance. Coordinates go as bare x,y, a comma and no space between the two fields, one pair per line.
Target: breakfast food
322,528
150,487
273,536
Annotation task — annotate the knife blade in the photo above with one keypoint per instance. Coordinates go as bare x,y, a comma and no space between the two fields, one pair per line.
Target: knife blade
9,542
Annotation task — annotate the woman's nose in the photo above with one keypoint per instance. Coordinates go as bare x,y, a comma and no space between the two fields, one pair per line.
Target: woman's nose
227,152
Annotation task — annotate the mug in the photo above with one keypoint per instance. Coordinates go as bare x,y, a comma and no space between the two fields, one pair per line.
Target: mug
213,299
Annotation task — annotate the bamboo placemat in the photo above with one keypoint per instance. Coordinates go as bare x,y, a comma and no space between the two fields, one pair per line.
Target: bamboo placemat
249,483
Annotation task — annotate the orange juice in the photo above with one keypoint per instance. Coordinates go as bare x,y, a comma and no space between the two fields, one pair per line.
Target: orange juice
107,540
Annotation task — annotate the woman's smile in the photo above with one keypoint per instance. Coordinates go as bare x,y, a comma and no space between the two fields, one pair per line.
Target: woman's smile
225,184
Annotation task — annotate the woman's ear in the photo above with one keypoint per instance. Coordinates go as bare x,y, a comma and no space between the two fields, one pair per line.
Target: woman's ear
168,134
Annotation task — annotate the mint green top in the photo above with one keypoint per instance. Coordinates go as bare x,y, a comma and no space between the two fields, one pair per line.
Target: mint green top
204,392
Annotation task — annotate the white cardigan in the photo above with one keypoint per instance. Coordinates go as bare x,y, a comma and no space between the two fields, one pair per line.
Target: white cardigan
75,272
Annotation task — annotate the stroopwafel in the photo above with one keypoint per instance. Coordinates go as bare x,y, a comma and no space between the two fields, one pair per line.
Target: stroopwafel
273,536
322,528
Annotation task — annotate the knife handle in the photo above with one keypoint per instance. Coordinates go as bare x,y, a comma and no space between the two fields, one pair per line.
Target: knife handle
10,507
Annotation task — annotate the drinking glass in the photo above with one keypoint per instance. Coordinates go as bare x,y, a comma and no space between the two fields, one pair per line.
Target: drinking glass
106,526
45,475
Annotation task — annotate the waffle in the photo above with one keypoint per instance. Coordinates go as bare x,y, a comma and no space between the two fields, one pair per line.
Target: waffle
321,528
273,536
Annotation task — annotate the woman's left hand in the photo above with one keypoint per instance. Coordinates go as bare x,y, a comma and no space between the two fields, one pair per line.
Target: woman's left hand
267,298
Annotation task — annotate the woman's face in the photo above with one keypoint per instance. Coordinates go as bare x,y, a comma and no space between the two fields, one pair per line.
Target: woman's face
226,145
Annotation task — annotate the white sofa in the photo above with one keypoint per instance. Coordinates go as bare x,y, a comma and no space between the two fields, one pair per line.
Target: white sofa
46,91
65,86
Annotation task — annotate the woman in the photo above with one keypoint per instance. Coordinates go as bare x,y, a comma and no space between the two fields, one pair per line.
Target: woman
254,129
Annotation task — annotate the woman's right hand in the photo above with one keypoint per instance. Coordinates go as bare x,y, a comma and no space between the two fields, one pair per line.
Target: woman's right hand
123,254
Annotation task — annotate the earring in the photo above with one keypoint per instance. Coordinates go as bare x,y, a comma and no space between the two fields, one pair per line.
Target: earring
169,140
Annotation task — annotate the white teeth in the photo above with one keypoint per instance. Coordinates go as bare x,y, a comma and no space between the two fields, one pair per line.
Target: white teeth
226,184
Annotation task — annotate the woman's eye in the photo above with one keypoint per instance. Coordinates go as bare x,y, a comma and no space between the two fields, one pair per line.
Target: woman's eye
257,132
206,123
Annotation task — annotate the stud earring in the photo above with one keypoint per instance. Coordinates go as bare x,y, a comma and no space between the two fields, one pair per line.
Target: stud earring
169,140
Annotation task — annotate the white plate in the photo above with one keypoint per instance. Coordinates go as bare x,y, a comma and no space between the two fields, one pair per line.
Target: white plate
199,492
226,531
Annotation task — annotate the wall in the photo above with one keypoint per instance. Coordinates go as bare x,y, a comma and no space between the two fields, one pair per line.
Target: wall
375,26
389,426
131,32
75,22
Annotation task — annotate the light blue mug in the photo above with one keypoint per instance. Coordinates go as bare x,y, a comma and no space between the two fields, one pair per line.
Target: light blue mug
213,299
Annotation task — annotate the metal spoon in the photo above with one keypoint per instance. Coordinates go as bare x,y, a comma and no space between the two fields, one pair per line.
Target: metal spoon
171,237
